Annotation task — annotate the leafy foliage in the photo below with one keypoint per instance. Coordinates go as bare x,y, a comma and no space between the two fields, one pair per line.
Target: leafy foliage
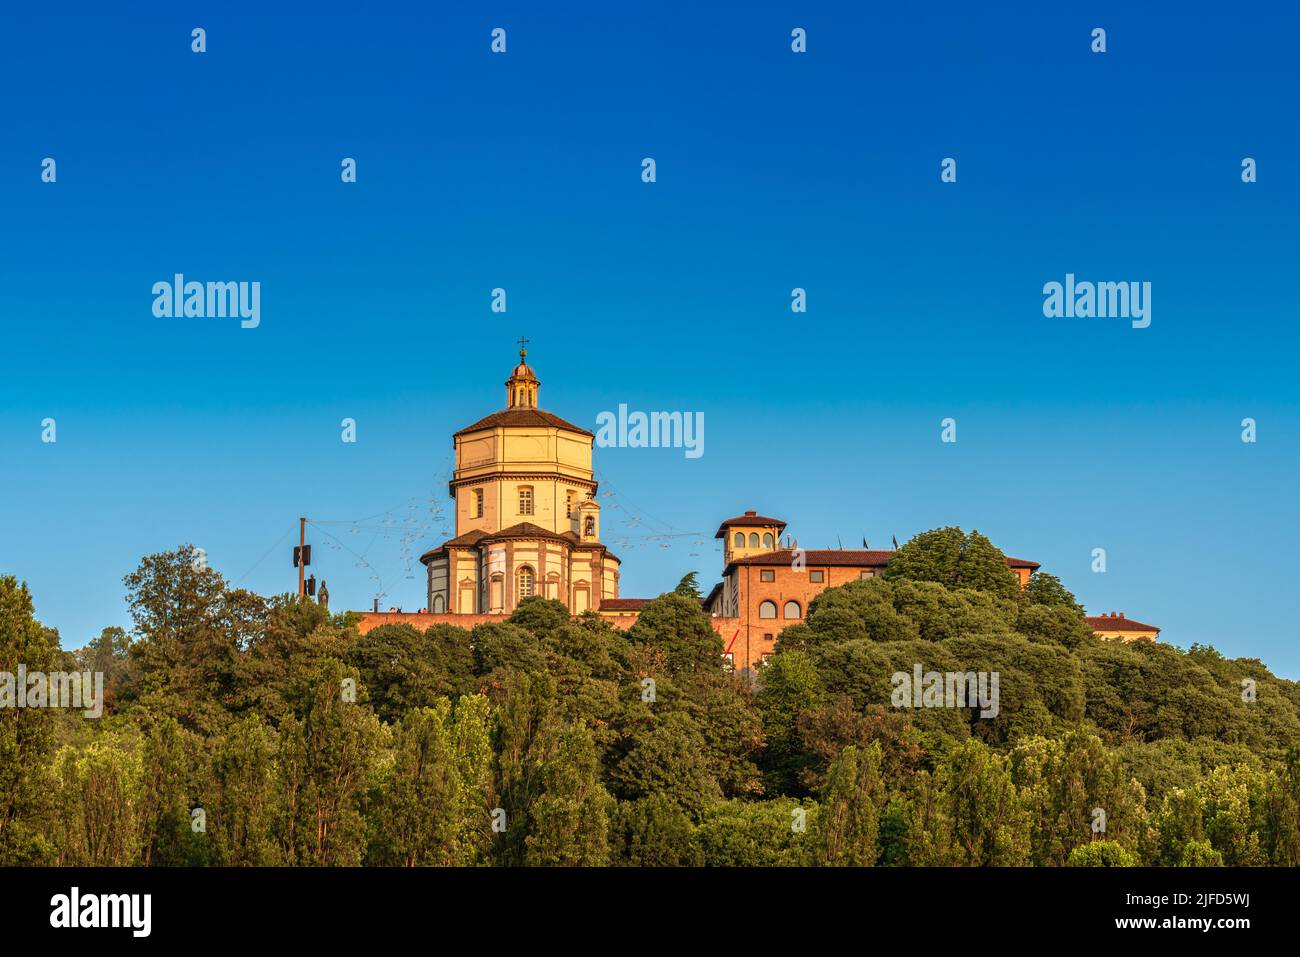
243,730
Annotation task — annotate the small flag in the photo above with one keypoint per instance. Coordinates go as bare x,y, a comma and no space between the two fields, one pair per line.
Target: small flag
895,543
864,542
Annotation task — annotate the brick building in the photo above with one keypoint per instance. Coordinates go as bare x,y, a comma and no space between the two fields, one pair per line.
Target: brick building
765,588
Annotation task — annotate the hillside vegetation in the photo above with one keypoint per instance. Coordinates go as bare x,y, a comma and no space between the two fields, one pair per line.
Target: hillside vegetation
243,730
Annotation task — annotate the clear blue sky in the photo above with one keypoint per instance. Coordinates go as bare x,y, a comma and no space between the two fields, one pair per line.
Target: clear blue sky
774,170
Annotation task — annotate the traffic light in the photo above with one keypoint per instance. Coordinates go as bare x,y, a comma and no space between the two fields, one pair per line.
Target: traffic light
301,554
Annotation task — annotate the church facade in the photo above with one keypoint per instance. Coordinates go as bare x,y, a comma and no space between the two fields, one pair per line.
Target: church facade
527,519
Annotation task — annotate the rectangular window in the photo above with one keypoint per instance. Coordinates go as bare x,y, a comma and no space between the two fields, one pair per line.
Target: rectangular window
525,501
765,656
568,505
768,637
767,575
729,661
817,576
478,503
870,574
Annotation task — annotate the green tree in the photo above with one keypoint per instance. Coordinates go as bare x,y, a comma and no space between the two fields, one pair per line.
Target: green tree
99,799
825,731
26,734
108,654
1045,589
951,557
653,831
570,818
984,568
242,801
850,810
932,556
677,627
1075,790
667,758
172,764
186,661
397,666
328,760
1200,854
1101,854
541,616
433,805
777,833
1280,812
968,814
689,586
502,646
789,686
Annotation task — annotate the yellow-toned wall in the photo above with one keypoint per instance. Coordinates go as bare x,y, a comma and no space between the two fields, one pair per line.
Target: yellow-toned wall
1128,635
523,450
550,461
730,551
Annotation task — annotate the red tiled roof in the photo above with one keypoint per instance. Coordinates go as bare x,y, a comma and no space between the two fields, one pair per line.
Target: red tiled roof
523,530
748,519
522,418
1117,623
842,558
528,530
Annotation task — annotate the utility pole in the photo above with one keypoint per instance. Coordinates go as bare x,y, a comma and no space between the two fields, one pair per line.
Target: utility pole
302,557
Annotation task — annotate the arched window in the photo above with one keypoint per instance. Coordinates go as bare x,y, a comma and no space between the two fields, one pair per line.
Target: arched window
753,539
740,540
525,582
767,539
792,609
437,604
590,527
767,609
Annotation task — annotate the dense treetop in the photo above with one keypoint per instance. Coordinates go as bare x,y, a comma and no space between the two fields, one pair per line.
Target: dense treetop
240,729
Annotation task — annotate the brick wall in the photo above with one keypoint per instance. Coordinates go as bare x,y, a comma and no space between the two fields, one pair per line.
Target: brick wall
726,627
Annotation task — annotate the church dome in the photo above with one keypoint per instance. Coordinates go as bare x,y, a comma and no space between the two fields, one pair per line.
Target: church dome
522,386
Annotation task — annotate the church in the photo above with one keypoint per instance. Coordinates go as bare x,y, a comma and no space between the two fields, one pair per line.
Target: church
527,520
528,523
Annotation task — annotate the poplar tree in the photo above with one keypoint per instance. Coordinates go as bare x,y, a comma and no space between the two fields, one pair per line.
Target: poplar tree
850,809
570,818
26,734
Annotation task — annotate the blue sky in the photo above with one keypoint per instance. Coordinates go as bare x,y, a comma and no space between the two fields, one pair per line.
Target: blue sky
775,170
